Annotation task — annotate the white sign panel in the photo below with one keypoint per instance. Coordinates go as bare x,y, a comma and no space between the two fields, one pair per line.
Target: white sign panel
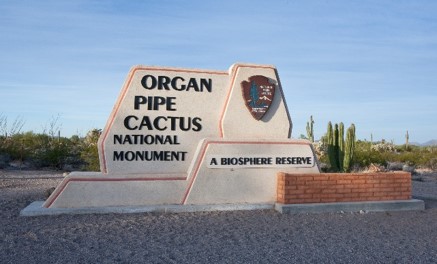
162,113
259,161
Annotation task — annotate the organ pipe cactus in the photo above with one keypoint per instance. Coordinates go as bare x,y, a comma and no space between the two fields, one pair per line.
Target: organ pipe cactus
349,148
336,148
340,152
341,145
331,148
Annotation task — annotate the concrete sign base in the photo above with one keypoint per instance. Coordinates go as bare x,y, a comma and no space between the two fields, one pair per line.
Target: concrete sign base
214,177
36,208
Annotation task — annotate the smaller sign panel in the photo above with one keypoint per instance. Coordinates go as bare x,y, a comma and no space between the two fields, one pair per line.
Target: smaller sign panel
258,95
258,161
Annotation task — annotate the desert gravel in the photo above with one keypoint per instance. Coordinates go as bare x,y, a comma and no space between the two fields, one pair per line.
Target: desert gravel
213,237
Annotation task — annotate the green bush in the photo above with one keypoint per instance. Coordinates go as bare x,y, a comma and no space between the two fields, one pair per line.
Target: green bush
367,153
89,153
45,151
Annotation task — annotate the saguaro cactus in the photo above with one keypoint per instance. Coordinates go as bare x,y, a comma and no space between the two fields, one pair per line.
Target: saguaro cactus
310,129
407,137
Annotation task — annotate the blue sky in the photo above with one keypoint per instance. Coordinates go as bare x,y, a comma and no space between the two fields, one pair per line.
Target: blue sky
372,63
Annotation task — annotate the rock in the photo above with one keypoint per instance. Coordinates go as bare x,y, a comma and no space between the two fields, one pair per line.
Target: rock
395,166
18,164
374,168
68,167
4,160
408,168
417,178
323,166
49,191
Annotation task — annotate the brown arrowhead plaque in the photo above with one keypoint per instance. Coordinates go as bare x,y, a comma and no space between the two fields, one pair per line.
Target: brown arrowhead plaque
258,95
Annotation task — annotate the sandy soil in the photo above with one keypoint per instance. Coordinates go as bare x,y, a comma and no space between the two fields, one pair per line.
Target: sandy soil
214,237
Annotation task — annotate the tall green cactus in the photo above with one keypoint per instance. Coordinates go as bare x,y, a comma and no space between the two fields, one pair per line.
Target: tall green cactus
329,134
349,148
341,145
340,152
336,148
407,137
341,135
331,147
310,129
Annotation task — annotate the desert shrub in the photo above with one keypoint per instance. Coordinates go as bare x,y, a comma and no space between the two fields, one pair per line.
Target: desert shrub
384,153
74,161
90,156
47,149
366,155
432,164
89,152
383,147
40,150
54,153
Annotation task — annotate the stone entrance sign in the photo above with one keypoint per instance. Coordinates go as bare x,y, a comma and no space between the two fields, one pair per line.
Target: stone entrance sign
186,136
163,113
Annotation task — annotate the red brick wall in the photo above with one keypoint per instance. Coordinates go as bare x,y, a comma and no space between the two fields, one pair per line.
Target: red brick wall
342,187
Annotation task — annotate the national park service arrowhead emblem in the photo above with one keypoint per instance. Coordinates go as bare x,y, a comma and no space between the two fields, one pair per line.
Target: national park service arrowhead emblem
258,95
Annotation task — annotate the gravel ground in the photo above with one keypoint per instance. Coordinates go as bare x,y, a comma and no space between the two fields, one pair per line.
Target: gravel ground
214,237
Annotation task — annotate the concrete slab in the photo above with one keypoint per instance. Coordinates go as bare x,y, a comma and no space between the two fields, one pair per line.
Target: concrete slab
425,197
371,206
36,209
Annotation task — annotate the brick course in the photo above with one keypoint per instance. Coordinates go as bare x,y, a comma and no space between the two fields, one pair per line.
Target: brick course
342,187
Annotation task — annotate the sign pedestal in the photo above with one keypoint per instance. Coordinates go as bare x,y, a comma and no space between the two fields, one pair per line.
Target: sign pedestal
237,178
